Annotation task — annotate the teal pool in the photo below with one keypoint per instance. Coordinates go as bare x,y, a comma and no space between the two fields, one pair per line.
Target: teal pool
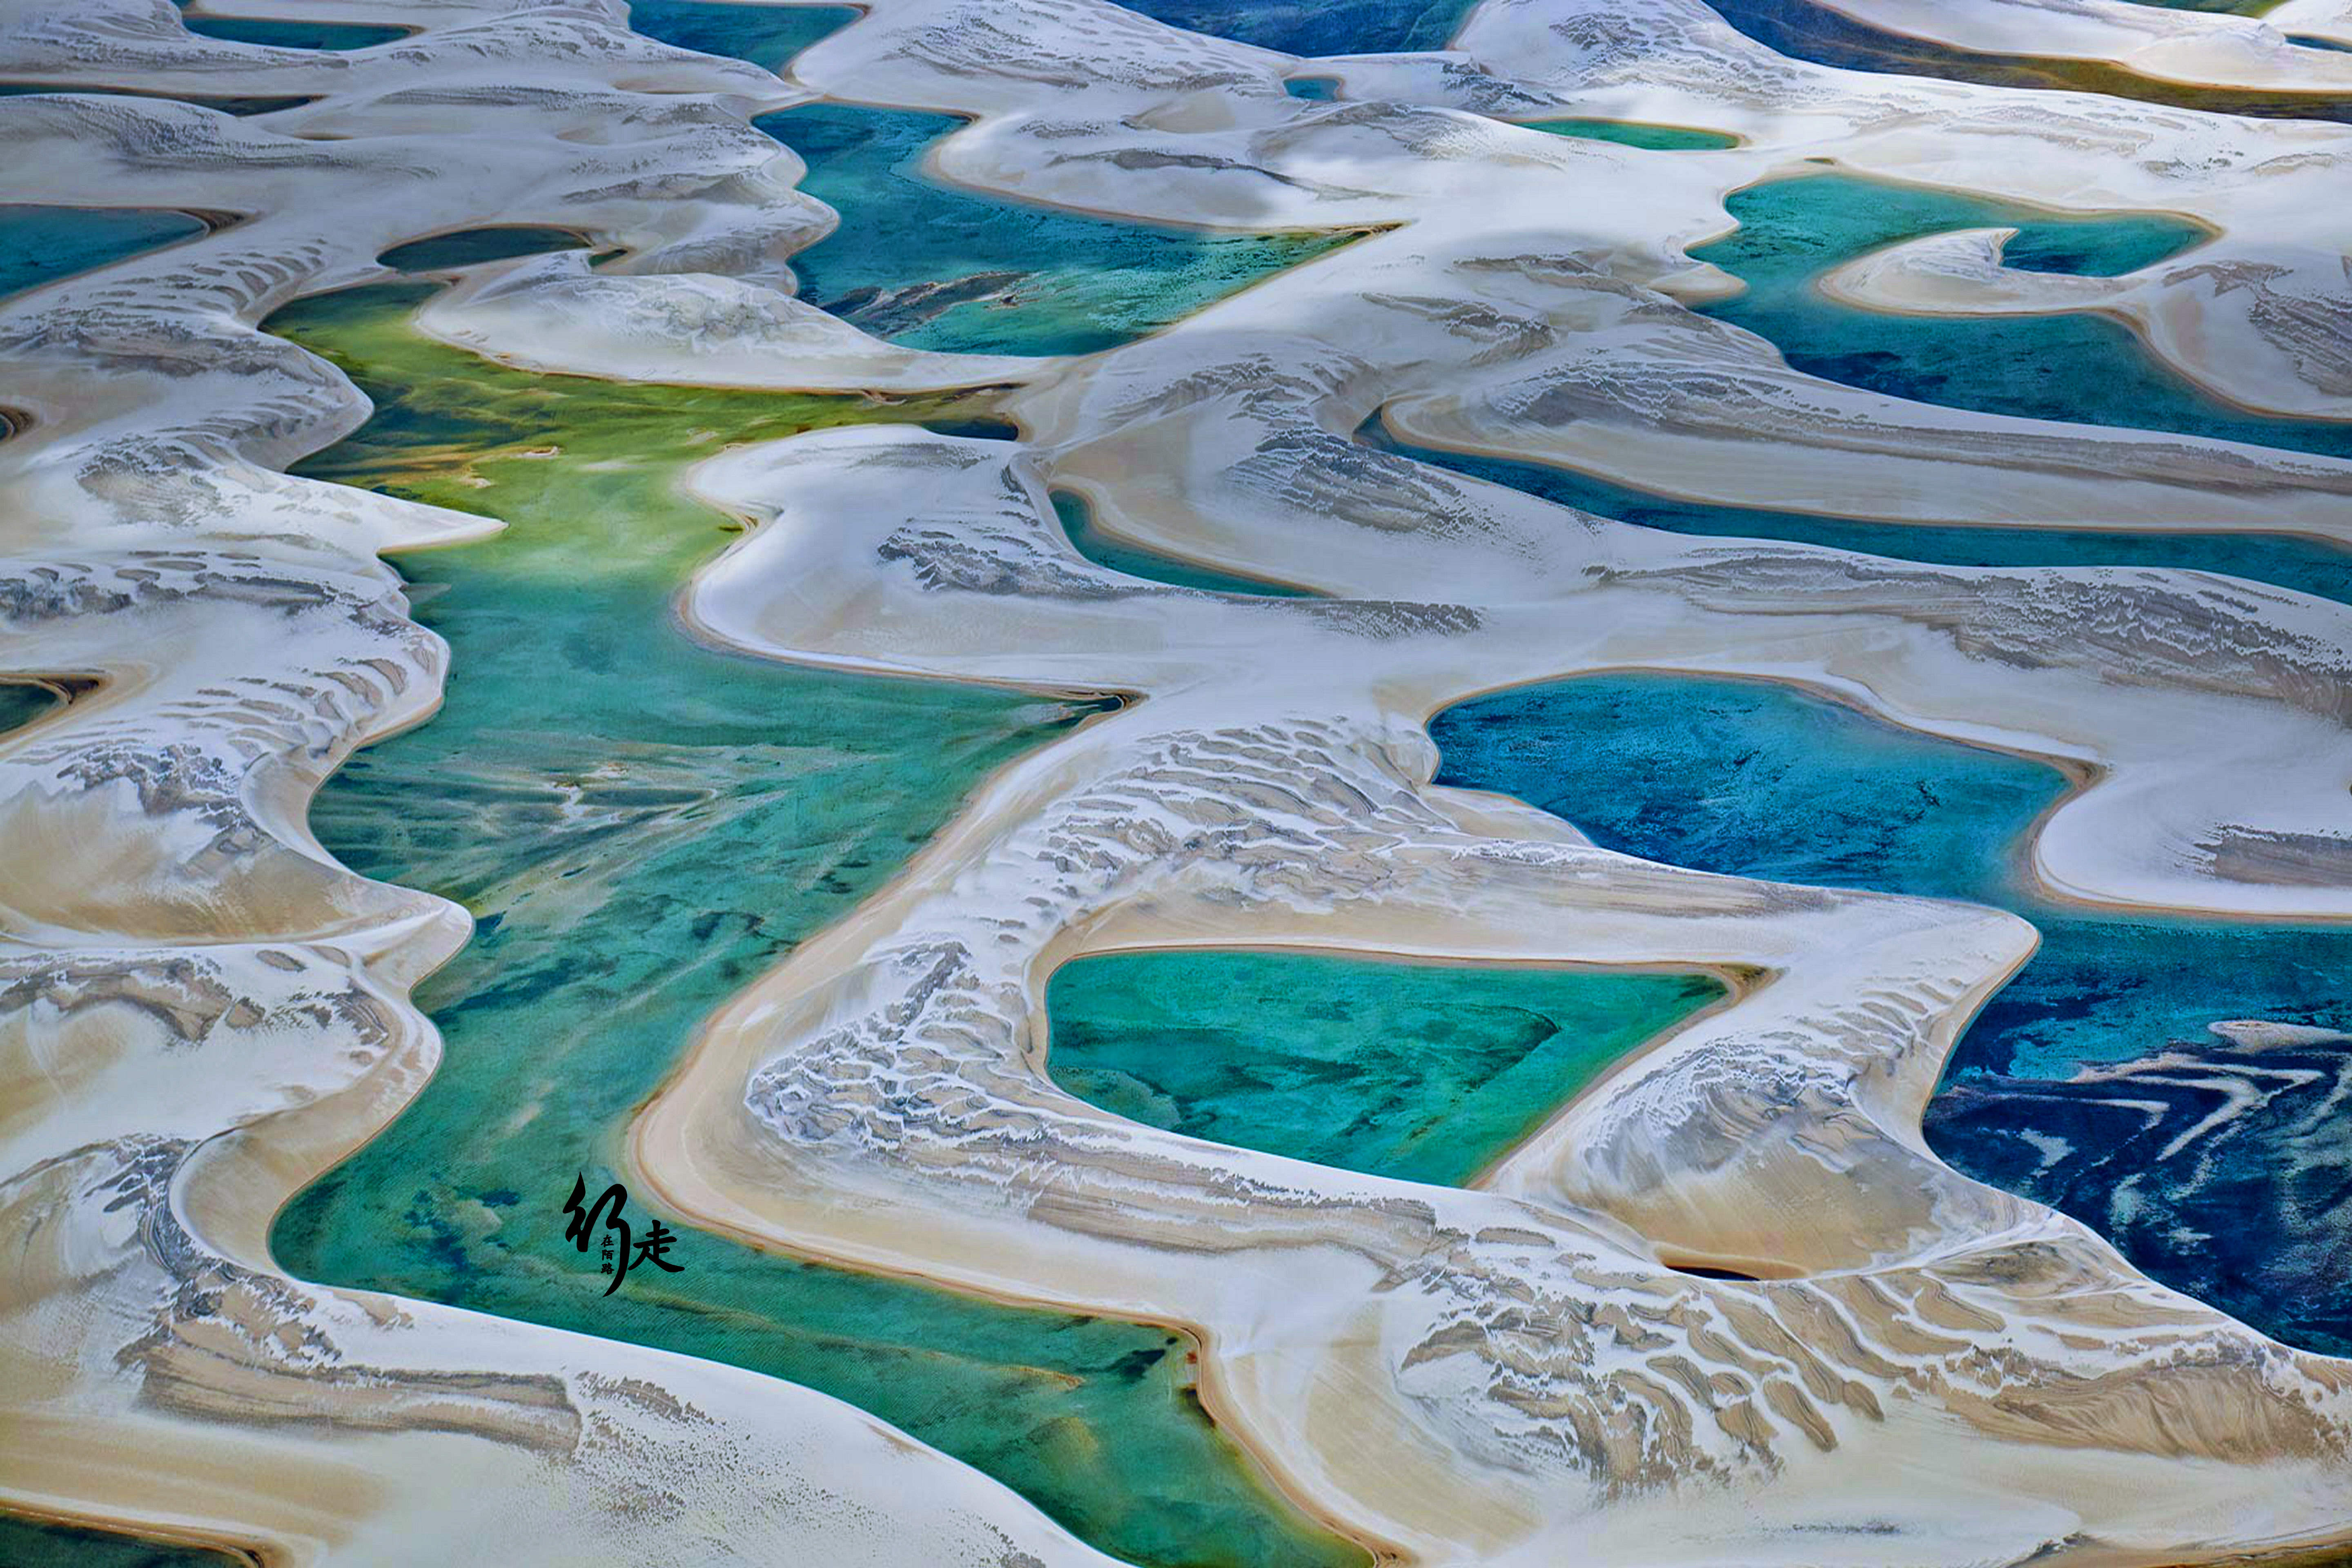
1426,1072
1078,525
291,34
469,247
1319,27
1637,133
42,244
930,267
766,36
2075,367
1764,781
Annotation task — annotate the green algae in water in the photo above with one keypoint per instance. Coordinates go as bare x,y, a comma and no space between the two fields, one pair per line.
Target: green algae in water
929,267
1078,523
642,827
1758,780
41,244
1637,133
1428,1072
765,36
2075,367
38,1543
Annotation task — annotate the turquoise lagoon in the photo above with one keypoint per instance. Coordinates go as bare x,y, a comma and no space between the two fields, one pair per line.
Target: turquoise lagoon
766,36
1319,27
42,244
642,827
1426,1072
1763,781
932,267
1135,561
2075,367
1637,133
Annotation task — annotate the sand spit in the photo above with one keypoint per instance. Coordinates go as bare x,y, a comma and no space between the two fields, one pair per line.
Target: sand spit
205,1011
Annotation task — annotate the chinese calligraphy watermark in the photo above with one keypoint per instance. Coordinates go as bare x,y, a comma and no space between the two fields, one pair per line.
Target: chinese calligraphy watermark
582,1227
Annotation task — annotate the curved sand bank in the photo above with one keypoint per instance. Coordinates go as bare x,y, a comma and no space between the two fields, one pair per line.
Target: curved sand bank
1485,1375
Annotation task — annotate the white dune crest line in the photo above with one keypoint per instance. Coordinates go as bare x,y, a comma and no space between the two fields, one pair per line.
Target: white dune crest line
1502,1375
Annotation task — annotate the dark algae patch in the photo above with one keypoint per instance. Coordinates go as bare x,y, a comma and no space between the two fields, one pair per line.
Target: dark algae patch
38,1543
1763,781
1427,1072
469,247
641,827
285,34
226,104
40,243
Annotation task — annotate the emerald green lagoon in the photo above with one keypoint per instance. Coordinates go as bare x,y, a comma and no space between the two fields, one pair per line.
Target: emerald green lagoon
41,244
641,827
928,266
1423,1071
1078,522
38,1543
1637,133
